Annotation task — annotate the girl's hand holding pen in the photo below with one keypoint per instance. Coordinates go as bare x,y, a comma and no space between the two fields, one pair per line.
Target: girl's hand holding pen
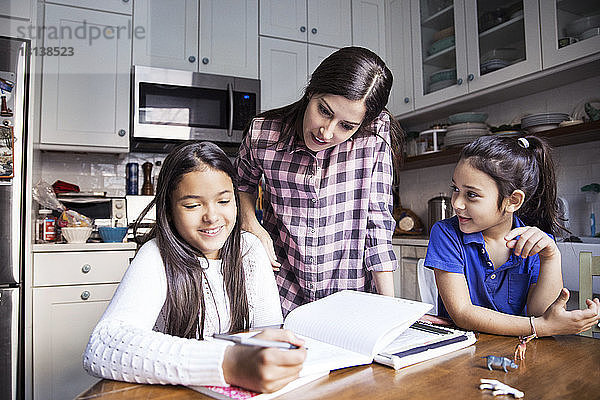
264,369
531,240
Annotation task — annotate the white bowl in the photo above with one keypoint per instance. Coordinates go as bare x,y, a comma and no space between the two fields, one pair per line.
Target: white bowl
76,234
540,128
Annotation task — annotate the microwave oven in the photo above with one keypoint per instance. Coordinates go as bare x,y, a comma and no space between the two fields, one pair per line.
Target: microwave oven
170,106
105,211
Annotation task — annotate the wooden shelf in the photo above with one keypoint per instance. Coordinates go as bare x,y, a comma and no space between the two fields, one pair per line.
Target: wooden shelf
564,136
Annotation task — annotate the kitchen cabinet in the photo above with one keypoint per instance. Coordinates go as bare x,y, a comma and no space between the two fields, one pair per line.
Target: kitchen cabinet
467,45
115,6
406,284
85,90
399,56
285,66
71,290
322,22
368,25
15,9
212,36
572,23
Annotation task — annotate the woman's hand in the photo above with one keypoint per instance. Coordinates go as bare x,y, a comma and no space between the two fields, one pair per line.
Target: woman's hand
264,369
558,321
267,243
250,224
531,241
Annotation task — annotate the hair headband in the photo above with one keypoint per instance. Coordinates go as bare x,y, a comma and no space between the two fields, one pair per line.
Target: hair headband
524,143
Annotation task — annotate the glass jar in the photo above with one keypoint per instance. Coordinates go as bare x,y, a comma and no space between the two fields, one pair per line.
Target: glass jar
45,227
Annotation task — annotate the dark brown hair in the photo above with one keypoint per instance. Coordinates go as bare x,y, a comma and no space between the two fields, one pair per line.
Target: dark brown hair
520,164
185,296
355,73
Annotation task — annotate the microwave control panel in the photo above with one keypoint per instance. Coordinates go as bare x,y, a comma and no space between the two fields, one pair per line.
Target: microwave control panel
244,106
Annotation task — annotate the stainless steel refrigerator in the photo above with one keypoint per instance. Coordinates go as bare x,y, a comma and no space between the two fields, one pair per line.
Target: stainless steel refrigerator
14,72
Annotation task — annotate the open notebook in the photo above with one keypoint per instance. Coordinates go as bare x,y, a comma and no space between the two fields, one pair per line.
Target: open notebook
349,328
345,329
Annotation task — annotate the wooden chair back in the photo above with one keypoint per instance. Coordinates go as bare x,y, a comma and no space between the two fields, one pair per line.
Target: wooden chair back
589,266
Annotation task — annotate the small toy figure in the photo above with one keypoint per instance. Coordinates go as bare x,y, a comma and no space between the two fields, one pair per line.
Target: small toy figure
499,388
503,362
521,347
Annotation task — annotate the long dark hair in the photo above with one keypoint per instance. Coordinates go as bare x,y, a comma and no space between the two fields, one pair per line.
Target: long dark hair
185,295
520,164
355,73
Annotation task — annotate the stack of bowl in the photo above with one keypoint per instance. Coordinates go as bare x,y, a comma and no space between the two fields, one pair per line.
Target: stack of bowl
465,127
542,122
442,79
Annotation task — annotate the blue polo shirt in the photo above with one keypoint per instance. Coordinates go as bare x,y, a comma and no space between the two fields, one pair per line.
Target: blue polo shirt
503,289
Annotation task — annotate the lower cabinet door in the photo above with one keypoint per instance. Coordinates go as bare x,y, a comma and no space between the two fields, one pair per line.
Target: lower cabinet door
63,319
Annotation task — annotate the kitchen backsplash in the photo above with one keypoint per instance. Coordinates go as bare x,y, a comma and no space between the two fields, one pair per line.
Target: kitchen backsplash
93,171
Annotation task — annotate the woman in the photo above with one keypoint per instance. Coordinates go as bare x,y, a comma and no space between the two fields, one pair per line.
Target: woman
327,164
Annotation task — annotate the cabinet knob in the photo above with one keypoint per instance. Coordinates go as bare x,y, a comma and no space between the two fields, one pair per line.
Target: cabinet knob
192,59
470,77
122,132
205,60
85,295
302,29
406,100
86,268
314,31
459,81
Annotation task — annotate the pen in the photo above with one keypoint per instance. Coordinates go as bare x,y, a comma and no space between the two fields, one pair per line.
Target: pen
251,341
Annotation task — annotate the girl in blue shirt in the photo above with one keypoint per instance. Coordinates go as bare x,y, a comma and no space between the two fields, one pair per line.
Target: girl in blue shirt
496,268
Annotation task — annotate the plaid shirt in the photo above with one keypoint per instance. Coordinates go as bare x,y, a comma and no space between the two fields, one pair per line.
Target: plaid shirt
329,213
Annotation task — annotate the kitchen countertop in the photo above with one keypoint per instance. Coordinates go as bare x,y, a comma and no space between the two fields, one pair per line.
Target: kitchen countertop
411,240
57,247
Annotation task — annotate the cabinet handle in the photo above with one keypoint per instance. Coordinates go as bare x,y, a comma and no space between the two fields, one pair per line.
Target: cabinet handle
192,59
407,100
302,29
86,268
122,132
314,31
459,81
205,60
125,1
85,295
470,77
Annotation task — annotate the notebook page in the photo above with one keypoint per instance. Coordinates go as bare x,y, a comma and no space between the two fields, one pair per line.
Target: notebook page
321,356
357,321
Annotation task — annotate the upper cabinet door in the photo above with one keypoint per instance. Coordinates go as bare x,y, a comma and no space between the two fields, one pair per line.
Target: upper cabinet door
283,71
85,96
570,30
368,25
439,50
399,56
284,19
503,42
170,38
229,37
15,9
330,22
117,6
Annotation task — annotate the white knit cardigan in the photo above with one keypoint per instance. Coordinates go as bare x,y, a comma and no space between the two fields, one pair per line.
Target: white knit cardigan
126,344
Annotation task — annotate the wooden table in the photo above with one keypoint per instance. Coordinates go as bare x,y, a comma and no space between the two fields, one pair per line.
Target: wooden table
562,367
